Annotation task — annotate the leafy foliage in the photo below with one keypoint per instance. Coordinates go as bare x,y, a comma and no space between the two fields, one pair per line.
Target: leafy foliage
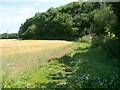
115,7
67,22
105,31
103,21
112,48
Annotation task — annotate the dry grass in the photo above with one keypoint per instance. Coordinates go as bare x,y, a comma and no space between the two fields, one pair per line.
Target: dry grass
17,46
20,55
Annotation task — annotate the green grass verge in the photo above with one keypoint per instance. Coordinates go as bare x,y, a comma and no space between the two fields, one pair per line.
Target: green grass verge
85,67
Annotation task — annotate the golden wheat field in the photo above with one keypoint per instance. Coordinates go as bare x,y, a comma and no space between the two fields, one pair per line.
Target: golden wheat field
20,55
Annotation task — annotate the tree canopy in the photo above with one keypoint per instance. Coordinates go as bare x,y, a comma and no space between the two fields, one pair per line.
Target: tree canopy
67,22
72,21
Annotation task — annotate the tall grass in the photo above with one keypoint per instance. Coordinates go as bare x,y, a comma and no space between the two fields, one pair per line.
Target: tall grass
20,56
85,67
28,79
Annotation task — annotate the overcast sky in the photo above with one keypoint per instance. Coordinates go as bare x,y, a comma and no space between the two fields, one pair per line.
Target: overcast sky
15,12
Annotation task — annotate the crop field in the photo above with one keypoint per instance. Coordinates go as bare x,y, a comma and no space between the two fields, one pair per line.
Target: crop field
21,55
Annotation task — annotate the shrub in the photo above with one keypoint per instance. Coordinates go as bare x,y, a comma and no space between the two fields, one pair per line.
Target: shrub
86,38
112,48
97,41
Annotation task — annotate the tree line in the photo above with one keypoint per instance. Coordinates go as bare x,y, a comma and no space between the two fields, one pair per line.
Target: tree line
71,21
9,36
100,20
67,22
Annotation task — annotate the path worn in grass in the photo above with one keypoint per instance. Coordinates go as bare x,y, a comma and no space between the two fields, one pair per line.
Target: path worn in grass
20,55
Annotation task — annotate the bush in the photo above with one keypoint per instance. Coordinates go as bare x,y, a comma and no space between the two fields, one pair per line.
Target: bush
86,38
97,41
112,48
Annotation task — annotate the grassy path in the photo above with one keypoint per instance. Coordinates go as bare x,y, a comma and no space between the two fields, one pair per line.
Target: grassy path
19,56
